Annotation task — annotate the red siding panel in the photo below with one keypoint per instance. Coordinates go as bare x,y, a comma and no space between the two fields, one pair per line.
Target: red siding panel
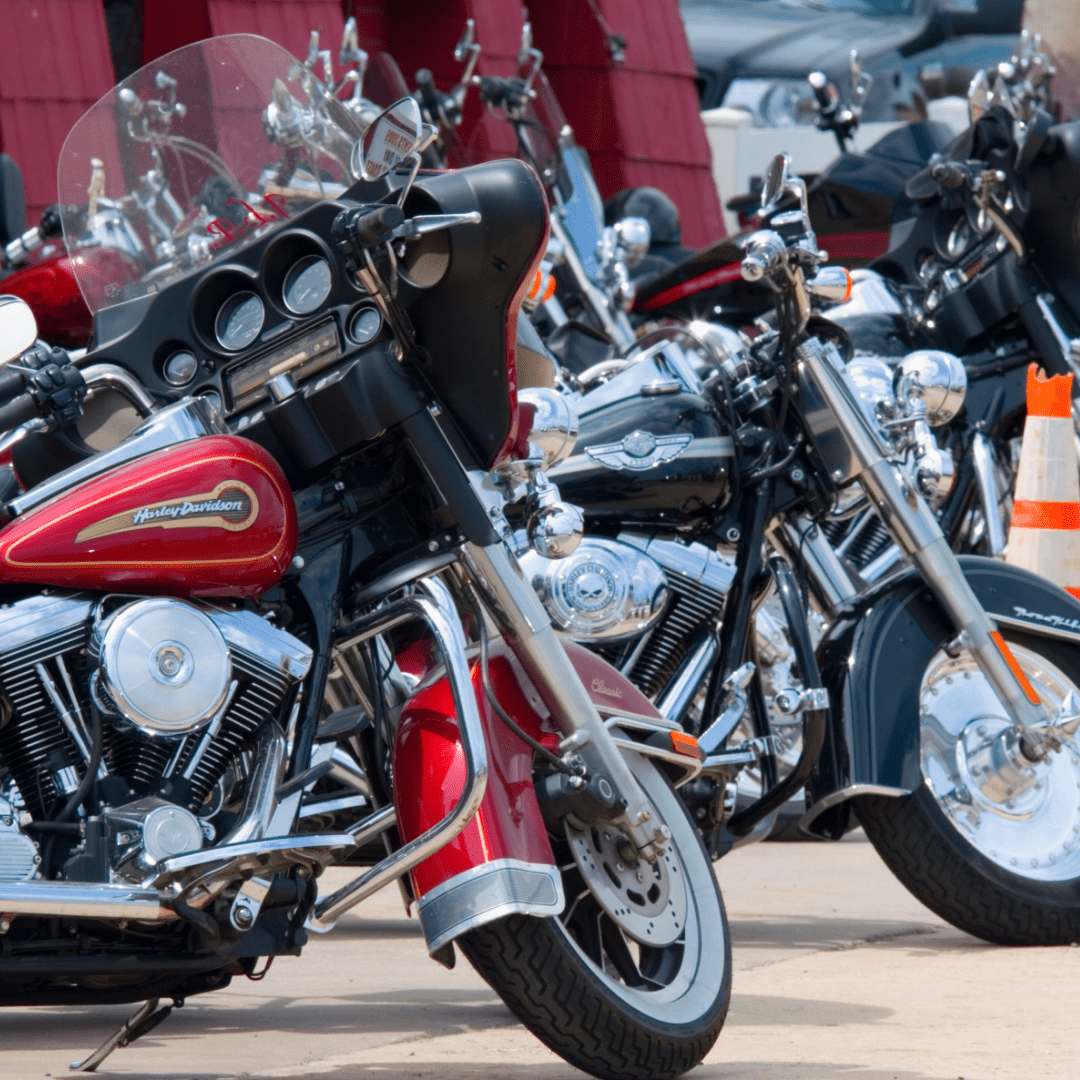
640,120
288,22
56,65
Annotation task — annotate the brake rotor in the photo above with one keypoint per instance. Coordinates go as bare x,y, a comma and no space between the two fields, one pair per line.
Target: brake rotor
647,901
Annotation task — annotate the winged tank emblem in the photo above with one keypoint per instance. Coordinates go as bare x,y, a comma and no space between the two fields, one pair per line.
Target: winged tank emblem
640,450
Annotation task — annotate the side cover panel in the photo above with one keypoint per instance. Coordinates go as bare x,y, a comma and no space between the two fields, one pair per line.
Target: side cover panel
872,662
212,517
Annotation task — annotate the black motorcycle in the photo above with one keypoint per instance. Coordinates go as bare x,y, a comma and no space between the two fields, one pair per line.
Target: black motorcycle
922,681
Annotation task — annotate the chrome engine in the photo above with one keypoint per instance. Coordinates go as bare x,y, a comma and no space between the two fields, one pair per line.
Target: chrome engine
182,690
640,600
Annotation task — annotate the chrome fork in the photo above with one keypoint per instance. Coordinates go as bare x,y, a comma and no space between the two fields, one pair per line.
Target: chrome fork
914,527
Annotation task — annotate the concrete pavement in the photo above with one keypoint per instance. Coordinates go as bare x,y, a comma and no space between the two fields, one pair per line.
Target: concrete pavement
839,973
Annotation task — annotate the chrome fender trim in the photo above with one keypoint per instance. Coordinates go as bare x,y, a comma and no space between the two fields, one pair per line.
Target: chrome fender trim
488,892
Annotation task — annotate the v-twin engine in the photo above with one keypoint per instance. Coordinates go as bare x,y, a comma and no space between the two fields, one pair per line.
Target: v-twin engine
181,689
646,604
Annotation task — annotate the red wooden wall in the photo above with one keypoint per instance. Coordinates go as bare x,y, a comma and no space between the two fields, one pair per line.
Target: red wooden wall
55,65
639,120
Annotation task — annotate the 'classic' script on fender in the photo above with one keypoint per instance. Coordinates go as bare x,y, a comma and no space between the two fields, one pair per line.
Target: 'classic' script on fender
599,687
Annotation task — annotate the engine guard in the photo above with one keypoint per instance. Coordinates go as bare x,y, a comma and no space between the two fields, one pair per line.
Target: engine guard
501,863
872,745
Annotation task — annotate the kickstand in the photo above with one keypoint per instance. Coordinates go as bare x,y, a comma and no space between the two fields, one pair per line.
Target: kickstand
133,1028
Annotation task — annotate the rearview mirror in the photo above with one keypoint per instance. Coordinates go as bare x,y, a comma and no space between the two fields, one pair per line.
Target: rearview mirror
391,137
18,328
775,182
979,95
526,44
461,49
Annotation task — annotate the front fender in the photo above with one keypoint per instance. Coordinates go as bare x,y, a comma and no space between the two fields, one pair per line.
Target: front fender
501,863
872,662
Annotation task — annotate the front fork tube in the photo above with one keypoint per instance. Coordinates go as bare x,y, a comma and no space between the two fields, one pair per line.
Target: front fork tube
916,530
529,634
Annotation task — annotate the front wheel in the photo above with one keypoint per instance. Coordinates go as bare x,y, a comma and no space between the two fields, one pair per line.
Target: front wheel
996,855
632,981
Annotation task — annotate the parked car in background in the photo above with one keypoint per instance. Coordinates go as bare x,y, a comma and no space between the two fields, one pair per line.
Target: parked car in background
756,54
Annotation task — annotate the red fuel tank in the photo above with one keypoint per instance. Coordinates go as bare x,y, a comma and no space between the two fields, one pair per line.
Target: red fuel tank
212,517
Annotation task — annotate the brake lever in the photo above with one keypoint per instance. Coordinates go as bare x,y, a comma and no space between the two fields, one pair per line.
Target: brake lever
427,223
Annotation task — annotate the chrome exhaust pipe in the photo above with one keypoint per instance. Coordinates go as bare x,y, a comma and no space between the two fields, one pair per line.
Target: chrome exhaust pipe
74,899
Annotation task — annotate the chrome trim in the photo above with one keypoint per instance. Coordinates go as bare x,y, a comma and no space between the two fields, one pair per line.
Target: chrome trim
982,458
879,567
261,799
330,806
74,899
488,892
373,825
225,853
438,611
692,766
914,527
36,617
1071,636
635,721
805,543
836,797
721,446
123,382
689,677
277,648
535,644
192,418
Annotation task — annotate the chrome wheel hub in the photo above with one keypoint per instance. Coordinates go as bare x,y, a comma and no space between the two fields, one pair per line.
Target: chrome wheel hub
1022,815
647,901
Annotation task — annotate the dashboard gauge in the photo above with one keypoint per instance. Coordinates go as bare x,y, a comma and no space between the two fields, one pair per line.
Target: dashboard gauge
307,285
365,324
180,368
239,321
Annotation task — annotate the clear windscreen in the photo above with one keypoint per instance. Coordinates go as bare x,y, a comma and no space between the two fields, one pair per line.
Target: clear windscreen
192,156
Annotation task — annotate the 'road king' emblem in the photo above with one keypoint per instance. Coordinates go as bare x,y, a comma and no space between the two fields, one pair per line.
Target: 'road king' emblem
232,506
640,450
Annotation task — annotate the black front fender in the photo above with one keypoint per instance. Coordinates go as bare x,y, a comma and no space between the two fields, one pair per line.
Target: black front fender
872,662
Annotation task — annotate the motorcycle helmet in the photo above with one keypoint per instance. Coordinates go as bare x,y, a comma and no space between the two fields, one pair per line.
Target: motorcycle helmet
654,206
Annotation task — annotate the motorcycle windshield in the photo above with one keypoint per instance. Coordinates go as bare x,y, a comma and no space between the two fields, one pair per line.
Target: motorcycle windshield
193,156
567,169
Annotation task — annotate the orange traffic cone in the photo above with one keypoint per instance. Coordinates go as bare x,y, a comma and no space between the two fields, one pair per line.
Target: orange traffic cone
1044,535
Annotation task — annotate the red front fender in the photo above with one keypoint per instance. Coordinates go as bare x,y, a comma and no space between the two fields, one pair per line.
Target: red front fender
502,862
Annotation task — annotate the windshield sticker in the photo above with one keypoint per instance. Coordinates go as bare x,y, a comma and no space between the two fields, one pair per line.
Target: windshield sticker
232,506
224,231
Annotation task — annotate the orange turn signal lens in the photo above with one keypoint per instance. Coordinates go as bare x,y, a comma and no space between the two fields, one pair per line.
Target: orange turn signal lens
686,745
1017,670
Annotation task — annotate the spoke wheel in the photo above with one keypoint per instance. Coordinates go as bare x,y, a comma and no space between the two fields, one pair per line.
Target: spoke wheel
632,980
994,851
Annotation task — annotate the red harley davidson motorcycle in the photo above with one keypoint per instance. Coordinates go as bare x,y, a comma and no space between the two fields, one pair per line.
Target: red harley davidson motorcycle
260,545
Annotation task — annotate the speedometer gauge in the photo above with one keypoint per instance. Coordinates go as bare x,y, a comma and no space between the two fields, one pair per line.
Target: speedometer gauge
307,285
239,321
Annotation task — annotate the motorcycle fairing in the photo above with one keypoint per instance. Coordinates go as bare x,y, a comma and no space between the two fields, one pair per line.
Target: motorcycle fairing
502,862
867,661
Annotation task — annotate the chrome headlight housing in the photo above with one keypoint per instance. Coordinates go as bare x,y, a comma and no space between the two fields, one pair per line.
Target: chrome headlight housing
932,379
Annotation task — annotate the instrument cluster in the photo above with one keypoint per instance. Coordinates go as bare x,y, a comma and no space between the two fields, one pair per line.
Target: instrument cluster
285,307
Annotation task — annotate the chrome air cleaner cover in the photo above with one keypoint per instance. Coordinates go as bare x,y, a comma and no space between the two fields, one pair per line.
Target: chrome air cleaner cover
604,591
164,666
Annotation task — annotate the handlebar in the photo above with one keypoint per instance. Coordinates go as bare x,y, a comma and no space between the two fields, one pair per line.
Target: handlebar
17,411
950,175
368,225
49,226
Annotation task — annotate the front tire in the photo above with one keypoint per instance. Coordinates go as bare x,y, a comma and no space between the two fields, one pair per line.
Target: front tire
588,990
1004,871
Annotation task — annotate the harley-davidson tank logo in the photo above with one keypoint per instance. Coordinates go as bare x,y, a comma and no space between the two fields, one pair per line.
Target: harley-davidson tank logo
232,506
639,450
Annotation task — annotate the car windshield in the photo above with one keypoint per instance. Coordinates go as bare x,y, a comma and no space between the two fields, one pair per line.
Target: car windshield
867,7
192,156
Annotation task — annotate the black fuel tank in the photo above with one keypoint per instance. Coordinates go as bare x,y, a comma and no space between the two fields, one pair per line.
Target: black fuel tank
650,446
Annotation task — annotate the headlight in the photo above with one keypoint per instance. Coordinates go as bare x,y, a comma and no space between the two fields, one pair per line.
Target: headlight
773,102
937,379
